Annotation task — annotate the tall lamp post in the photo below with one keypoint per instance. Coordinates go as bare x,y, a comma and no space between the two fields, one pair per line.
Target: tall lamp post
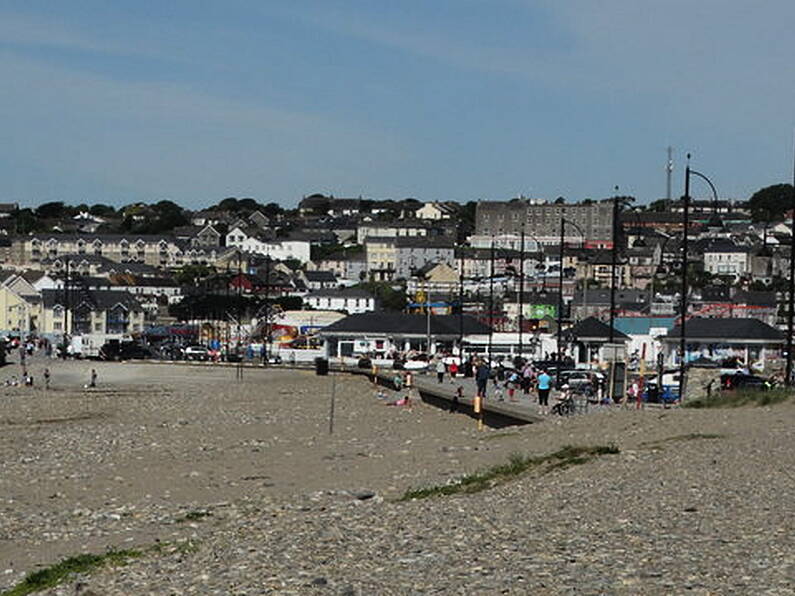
461,307
788,379
613,264
521,289
563,222
683,308
521,284
491,298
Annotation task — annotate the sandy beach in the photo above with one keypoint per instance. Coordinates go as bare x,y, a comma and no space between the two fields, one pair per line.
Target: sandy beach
247,471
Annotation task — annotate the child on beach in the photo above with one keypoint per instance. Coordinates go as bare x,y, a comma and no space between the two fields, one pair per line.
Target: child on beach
498,387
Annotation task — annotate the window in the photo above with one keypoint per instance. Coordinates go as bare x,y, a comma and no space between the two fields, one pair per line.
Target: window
98,327
57,325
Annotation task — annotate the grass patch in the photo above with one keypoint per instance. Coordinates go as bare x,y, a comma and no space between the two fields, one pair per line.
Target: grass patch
738,398
64,570
676,438
50,577
517,464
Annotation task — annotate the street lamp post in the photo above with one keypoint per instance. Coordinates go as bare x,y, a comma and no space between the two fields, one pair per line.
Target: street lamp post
67,319
560,288
563,222
788,373
683,309
461,308
613,264
521,289
491,298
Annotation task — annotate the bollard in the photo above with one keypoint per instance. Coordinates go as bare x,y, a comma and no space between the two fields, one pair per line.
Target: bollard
477,404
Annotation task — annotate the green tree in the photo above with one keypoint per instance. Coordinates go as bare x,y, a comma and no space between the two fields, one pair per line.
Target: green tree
248,205
272,210
228,204
52,209
190,275
659,205
389,298
771,203
101,210
28,223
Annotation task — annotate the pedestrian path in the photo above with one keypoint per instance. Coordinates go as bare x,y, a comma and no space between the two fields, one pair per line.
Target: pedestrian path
524,410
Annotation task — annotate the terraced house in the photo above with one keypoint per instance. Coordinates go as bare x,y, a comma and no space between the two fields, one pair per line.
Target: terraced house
111,312
154,250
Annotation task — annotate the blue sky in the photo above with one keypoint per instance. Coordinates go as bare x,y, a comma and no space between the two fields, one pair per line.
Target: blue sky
461,100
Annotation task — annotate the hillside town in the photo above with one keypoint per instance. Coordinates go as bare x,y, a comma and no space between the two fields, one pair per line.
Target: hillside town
546,280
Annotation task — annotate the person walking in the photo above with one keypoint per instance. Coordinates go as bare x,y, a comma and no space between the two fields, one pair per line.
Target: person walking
440,370
453,371
46,378
93,382
544,385
527,378
459,393
482,374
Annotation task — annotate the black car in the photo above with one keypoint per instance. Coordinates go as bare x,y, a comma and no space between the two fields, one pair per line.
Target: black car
124,350
743,381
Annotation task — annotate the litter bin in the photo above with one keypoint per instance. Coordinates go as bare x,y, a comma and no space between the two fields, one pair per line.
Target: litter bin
321,366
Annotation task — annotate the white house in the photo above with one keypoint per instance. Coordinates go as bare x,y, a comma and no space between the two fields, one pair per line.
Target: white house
723,257
349,300
436,211
246,240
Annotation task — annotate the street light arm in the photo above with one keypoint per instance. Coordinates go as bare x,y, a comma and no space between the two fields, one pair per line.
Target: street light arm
708,181
576,227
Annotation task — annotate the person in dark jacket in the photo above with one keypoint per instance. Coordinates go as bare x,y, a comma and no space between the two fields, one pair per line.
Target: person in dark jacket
482,374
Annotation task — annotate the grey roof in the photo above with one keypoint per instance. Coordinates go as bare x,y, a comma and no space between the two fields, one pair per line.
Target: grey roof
131,238
404,324
737,330
99,299
424,242
721,245
594,330
601,296
320,276
134,268
340,293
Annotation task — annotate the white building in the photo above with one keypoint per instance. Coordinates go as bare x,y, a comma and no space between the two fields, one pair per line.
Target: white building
437,211
723,257
242,239
351,301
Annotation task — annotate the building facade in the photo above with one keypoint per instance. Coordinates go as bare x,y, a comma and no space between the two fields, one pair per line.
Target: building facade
592,223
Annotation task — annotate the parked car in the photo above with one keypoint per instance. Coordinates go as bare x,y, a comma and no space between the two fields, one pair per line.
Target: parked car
124,350
196,352
415,365
744,381
576,379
